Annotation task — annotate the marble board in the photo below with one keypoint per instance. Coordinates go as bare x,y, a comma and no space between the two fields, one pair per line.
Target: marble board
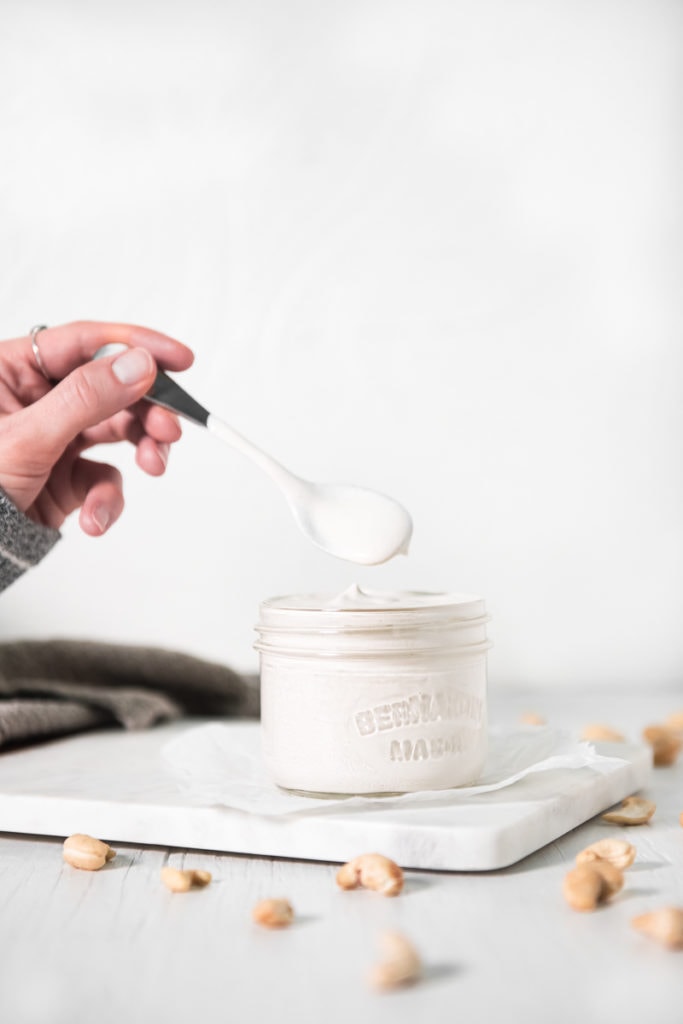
114,785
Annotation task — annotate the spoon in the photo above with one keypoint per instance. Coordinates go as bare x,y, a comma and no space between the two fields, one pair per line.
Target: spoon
349,522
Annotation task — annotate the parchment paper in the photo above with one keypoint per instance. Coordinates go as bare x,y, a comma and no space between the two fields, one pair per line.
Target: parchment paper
218,764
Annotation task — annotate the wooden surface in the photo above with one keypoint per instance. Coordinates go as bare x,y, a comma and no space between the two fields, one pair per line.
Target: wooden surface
116,946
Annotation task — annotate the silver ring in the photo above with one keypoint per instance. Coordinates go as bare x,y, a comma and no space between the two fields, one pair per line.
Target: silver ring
36,351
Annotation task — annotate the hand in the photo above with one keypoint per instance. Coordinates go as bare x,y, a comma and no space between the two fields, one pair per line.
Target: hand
44,428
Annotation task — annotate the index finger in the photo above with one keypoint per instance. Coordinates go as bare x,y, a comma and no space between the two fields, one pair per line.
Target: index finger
64,348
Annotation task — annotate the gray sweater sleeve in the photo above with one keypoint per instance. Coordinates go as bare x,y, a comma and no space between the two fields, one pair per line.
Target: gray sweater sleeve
22,542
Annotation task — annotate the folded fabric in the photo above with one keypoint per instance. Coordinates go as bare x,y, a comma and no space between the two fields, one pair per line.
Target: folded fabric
53,687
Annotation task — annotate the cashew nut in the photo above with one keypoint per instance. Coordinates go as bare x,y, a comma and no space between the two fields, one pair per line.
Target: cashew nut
666,744
601,734
582,888
633,811
178,880
665,926
531,718
86,853
616,851
675,721
400,964
588,885
371,871
612,878
273,913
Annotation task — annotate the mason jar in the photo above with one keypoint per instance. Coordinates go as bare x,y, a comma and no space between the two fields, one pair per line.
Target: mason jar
373,693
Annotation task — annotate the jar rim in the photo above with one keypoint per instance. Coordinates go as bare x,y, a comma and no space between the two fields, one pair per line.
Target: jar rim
452,622
365,628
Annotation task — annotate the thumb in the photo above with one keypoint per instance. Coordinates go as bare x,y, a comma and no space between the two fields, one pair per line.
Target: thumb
91,393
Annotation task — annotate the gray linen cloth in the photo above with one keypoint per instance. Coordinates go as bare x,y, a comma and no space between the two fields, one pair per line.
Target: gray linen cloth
53,687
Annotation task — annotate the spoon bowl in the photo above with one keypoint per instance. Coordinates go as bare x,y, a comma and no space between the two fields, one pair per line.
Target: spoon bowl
352,523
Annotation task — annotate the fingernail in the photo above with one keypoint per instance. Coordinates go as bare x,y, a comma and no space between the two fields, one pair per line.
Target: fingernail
133,366
102,517
163,450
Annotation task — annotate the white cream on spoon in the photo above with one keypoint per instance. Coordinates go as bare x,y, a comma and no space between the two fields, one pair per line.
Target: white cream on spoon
349,522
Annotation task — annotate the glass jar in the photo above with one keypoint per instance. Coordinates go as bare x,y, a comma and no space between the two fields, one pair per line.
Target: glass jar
373,693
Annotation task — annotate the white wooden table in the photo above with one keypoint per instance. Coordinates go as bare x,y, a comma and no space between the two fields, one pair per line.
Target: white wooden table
116,946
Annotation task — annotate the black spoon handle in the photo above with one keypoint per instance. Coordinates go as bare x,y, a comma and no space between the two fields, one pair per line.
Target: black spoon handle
166,392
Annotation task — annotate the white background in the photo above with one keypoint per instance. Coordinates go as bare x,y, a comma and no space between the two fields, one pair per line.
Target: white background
432,248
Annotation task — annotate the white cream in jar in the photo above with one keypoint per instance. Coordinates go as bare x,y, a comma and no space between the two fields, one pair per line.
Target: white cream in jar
371,692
